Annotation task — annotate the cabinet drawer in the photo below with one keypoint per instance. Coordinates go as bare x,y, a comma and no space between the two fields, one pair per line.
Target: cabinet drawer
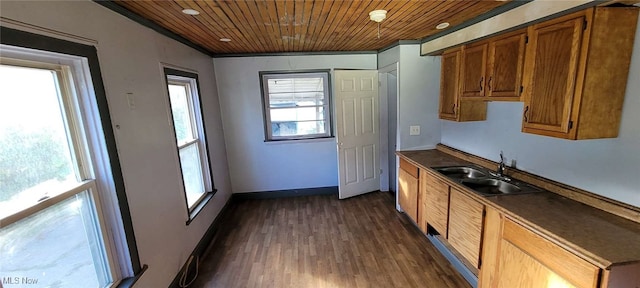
410,168
562,262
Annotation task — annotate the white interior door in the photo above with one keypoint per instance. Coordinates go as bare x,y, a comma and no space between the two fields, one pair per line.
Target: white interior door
357,123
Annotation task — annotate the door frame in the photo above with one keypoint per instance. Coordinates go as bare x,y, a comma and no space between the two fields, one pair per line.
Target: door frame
384,128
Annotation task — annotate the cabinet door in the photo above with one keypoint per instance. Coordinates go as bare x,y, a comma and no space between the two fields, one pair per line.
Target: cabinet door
506,61
436,204
472,71
465,226
408,189
528,260
449,88
550,74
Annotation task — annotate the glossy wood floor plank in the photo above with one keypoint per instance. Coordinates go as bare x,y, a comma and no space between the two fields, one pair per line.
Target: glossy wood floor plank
320,241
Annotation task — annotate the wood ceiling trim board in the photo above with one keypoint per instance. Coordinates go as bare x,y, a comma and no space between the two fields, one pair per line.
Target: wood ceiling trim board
249,9
206,19
394,8
274,23
325,9
236,18
136,17
326,39
313,17
353,14
219,30
290,17
299,24
359,20
284,29
159,16
268,20
229,30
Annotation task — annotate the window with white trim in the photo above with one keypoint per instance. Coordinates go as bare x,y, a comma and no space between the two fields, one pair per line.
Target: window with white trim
57,198
296,105
187,123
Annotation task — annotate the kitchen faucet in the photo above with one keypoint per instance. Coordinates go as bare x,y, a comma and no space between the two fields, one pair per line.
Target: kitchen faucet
501,166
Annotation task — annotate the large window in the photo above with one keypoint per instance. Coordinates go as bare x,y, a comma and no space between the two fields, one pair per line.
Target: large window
58,221
190,138
296,105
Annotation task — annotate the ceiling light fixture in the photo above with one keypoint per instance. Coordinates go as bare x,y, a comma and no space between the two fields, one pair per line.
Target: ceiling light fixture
191,12
377,16
442,25
225,40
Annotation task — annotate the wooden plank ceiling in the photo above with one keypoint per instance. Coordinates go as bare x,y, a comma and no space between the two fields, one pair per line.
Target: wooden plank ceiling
272,26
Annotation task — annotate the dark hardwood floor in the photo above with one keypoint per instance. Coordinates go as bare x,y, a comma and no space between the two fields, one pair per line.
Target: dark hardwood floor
320,241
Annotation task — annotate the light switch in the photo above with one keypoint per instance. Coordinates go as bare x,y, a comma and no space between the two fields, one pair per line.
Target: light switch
414,130
131,101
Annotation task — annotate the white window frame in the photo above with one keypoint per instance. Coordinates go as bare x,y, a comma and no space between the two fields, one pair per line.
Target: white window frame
266,107
190,81
86,136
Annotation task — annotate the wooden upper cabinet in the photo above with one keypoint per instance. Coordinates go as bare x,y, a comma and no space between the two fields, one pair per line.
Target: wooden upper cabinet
472,70
465,226
505,66
576,70
449,84
452,106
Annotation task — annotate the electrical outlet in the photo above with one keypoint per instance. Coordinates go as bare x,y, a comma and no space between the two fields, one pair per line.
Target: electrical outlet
414,130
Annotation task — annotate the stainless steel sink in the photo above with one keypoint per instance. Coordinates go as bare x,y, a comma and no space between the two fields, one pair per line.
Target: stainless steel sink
462,172
491,186
484,182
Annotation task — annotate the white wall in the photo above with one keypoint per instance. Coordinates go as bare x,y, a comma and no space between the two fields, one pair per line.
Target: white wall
258,166
608,167
419,81
130,57
419,86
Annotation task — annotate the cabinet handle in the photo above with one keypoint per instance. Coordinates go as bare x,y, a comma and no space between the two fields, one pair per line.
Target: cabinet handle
481,80
526,114
489,83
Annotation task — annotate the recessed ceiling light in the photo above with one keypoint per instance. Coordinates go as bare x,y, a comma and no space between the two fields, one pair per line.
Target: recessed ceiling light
442,25
191,12
225,40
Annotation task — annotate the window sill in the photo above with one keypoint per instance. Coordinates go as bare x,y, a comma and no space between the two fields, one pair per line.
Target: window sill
128,282
297,141
200,206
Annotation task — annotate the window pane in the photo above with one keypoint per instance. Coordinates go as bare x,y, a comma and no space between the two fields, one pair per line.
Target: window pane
296,99
297,114
192,173
181,113
282,129
53,248
35,157
312,84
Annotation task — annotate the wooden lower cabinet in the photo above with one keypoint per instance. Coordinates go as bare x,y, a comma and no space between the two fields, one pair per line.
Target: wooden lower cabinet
466,219
435,203
514,256
408,189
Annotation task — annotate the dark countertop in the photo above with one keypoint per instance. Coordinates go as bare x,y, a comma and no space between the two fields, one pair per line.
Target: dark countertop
601,238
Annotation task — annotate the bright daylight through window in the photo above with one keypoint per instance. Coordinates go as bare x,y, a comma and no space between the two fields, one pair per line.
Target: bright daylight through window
190,137
50,231
296,105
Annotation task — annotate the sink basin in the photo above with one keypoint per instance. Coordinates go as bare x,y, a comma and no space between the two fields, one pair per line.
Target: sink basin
462,172
484,182
491,186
